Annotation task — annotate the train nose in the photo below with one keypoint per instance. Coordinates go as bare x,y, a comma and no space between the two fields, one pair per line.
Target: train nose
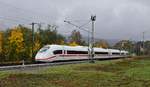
39,56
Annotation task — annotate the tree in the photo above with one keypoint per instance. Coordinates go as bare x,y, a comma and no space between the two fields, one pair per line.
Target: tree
76,37
1,42
124,45
140,50
73,44
1,47
102,44
50,36
37,43
16,43
27,36
147,47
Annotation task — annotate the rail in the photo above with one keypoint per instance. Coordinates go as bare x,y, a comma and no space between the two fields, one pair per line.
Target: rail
49,64
38,65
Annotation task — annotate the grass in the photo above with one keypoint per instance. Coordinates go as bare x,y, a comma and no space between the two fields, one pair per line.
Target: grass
120,73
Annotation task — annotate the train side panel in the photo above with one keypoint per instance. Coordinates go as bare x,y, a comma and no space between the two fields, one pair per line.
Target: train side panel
52,53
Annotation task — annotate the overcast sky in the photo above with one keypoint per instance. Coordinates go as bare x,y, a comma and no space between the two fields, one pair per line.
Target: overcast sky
116,19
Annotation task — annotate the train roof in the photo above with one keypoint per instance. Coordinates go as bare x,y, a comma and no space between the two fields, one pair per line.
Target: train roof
82,48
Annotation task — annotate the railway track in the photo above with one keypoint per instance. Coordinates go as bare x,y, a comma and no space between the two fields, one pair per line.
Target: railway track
28,66
16,67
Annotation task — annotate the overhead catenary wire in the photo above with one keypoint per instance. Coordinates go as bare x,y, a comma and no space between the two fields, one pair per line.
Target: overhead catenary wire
10,23
12,19
9,8
24,11
81,28
29,18
20,19
24,20
85,24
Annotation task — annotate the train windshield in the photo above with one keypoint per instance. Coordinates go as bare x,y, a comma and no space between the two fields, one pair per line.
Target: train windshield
44,49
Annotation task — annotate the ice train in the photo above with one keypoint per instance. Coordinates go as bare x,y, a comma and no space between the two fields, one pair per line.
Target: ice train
50,53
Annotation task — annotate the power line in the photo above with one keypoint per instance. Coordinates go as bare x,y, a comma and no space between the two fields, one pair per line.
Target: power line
79,27
91,45
85,24
11,9
19,18
24,10
11,19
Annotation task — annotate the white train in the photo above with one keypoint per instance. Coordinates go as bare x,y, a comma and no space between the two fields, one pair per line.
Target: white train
50,53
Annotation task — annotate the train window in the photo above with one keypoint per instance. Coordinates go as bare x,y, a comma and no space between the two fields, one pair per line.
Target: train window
44,49
58,52
77,52
116,53
101,52
122,53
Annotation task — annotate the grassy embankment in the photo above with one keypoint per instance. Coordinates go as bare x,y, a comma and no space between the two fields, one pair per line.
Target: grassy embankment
121,73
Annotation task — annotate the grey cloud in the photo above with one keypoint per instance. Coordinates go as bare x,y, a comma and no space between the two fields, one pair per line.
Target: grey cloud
116,19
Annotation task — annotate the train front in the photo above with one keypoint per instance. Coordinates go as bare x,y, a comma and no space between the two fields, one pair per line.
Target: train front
44,54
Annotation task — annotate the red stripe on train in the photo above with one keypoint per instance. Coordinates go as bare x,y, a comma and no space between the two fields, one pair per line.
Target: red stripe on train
46,58
73,55
61,56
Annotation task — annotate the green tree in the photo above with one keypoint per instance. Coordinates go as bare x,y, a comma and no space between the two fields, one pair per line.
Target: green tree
76,37
50,36
27,35
1,47
147,47
16,43
102,44
124,45
140,50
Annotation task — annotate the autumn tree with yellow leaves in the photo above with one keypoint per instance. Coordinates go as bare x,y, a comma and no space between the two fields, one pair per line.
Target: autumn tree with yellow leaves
76,38
73,44
37,43
16,43
1,42
1,46
16,40
102,44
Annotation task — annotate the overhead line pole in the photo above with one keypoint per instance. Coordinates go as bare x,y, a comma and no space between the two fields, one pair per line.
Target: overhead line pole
143,43
91,45
93,19
89,32
33,25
